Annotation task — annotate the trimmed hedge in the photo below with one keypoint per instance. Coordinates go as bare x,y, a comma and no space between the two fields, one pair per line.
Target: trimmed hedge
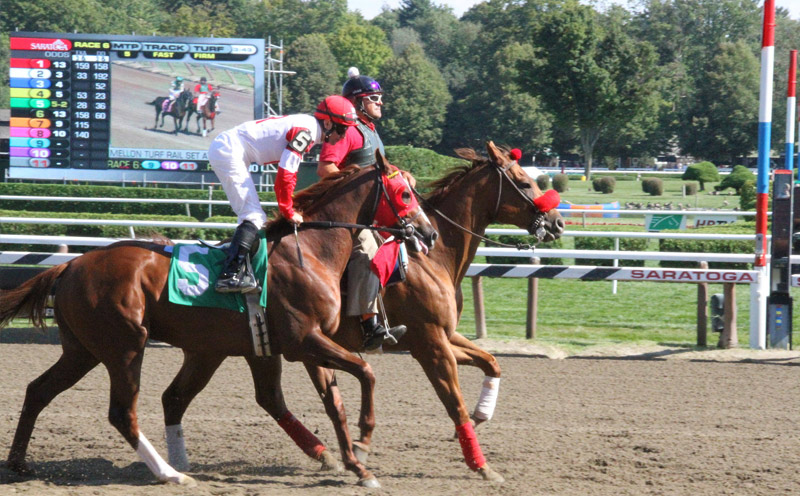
736,179
198,212
711,246
653,185
604,185
561,182
423,164
690,188
543,181
607,244
97,231
516,239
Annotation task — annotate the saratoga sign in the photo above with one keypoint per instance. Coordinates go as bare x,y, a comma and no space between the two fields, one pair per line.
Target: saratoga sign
692,276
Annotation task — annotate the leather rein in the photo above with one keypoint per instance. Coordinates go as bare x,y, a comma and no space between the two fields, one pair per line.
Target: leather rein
503,172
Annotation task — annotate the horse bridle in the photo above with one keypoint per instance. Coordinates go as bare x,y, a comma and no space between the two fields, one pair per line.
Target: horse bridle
403,233
503,172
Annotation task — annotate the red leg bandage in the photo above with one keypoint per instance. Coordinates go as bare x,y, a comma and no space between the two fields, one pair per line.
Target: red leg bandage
469,445
548,201
307,441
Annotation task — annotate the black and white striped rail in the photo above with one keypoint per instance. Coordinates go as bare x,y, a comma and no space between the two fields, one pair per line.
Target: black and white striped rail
587,273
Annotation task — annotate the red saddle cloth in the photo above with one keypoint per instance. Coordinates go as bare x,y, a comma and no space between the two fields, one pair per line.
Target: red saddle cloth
385,261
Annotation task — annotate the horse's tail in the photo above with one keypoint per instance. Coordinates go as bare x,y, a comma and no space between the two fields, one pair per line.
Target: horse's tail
30,299
154,102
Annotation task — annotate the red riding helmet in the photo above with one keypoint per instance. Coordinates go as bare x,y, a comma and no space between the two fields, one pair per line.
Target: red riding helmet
338,109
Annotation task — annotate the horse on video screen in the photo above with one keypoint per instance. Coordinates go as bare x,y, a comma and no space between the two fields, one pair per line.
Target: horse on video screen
462,205
178,110
207,112
110,301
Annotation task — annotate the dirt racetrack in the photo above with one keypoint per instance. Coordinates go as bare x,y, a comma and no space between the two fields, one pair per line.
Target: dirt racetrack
673,422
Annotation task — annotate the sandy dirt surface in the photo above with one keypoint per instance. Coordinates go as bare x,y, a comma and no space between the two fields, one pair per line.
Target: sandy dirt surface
614,422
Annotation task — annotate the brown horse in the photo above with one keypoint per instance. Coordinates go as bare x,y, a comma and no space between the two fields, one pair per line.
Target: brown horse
208,113
108,302
472,198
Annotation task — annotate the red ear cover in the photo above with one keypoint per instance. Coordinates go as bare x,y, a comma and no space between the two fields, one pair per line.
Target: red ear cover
515,154
548,201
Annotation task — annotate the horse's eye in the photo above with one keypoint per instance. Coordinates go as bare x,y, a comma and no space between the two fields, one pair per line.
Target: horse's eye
406,197
524,186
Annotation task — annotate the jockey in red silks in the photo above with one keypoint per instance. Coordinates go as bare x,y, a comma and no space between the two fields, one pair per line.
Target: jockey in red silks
358,147
278,140
202,91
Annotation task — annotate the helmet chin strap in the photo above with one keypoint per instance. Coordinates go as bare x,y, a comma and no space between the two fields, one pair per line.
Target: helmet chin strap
362,111
326,133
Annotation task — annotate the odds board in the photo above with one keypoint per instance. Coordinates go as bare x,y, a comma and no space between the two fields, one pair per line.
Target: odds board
82,105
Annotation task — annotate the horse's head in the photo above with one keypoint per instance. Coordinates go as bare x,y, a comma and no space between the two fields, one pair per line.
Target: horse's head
398,206
521,202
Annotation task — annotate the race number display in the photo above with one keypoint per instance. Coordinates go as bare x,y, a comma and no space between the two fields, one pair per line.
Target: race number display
85,105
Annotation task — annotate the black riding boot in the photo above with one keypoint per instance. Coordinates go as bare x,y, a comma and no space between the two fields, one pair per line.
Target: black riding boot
237,275
375,334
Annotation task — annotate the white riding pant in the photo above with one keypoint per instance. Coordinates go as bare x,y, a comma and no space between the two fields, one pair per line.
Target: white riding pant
229,161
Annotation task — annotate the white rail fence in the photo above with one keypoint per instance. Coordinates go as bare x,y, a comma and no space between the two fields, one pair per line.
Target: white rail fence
758,279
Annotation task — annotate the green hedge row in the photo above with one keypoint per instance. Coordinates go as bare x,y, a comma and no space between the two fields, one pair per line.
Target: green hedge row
198,212
102,231
425,165
712,246
625,244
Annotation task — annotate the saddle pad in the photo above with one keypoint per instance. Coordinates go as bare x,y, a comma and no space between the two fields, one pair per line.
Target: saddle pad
194,269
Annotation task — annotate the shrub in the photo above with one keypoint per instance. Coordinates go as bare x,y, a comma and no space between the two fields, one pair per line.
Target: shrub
653,185
97,231
747,196
711,246
736,179
625,244
515,239
690,188
561,183
143,207
702,172
604,185
543,181
422,163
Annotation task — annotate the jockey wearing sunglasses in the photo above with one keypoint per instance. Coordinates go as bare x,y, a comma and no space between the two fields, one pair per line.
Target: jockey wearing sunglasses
358,147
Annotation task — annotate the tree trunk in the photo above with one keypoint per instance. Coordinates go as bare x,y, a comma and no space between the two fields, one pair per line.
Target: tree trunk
588,139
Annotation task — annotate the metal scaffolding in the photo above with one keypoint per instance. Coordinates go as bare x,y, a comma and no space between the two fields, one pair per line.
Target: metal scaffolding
273,73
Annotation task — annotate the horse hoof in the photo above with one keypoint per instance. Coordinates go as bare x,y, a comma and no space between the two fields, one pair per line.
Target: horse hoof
329,462
490,475
370,482
361,451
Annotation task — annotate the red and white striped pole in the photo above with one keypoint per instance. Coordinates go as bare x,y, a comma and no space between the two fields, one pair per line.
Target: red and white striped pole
764,130
791,105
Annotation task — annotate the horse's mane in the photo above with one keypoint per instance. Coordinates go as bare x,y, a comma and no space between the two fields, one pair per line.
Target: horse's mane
441,186
313,194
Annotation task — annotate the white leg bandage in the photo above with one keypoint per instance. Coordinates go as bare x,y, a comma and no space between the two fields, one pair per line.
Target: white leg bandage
176,448
488,399
155,463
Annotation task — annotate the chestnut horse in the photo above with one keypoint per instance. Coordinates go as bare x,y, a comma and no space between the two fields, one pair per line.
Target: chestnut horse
472,197
208,113
108,302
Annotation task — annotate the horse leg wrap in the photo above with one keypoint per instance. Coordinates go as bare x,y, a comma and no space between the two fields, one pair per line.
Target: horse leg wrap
161,469
176,447
470,447
488,398
307,441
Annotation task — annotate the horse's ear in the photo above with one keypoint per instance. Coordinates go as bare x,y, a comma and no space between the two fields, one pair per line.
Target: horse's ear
381,162
496,155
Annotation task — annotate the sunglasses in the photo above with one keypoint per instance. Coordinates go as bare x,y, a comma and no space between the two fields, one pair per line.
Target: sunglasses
374,98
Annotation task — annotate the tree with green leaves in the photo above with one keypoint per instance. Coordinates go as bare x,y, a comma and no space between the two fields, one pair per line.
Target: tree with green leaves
416,100
702,172
316,74
590,74
720,122
360,45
